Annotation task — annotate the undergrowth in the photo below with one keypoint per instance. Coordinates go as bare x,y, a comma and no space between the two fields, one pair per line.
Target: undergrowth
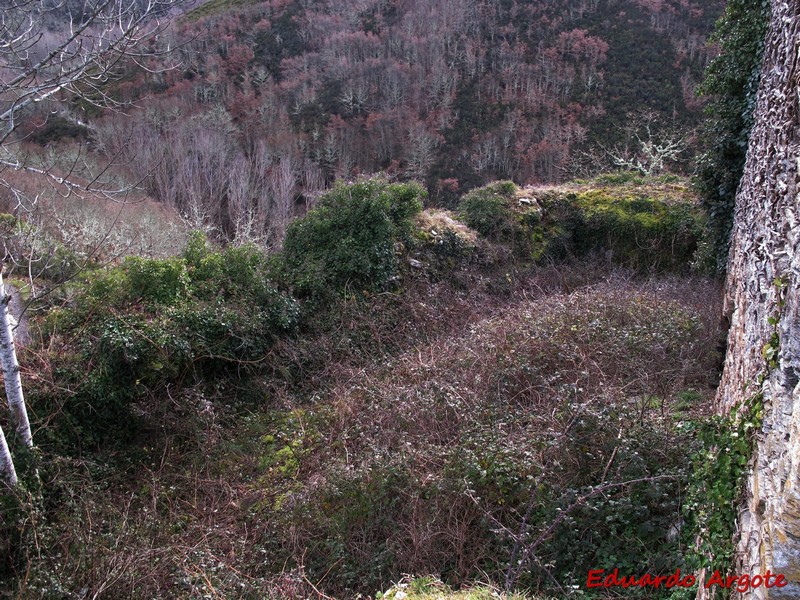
428,401
135,344
722,464
427,460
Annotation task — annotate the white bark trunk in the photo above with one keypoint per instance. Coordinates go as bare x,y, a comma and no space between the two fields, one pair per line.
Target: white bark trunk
7,471
11,377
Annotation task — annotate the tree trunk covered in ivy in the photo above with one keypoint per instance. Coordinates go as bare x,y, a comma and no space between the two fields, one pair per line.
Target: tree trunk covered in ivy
763,305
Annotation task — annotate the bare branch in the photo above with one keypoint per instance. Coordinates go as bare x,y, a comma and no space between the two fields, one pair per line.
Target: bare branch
651,150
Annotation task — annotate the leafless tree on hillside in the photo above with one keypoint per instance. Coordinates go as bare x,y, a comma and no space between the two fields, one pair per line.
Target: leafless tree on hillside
650,149
283,182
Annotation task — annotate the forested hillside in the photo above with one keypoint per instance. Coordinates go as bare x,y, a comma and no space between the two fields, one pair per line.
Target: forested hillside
272,101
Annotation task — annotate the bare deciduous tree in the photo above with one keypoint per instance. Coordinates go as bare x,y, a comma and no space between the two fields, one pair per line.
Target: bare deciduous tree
283,182
649,151
54,50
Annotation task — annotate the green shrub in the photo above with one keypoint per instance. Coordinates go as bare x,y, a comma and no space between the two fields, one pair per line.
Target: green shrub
493,211
158,281
488,211
151,325
627,527
714,495
357,521
347,242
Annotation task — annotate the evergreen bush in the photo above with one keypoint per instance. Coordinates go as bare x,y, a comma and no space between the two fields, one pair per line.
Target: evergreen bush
152,325
488,211
347,242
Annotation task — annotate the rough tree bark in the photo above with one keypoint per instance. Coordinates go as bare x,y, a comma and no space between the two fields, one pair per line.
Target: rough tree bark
765,246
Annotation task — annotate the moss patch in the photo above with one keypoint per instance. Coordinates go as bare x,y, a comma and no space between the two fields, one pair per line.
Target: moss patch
651,225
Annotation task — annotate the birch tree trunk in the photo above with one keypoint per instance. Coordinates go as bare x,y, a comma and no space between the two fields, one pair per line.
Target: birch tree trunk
7,471
11,377
763,298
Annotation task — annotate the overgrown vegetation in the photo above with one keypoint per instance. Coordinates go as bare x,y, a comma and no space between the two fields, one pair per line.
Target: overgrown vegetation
139,334
448,400
347,242
429,461
648,226
514,392
715,491
722,465
731,83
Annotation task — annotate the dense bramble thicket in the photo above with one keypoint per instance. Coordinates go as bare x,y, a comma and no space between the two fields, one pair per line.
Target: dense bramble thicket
432,458
202,434
732,83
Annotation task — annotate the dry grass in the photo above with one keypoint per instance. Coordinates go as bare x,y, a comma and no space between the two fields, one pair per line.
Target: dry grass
90,224
430,588
435,222
669,189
